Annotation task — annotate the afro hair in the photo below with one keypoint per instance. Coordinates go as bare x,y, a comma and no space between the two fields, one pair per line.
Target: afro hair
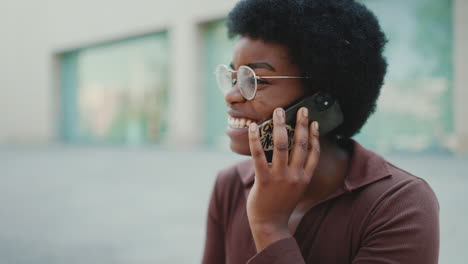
338,44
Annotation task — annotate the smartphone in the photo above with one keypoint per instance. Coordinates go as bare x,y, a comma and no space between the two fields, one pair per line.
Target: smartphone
322,107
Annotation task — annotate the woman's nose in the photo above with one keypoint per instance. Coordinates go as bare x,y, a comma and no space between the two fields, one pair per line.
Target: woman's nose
233,95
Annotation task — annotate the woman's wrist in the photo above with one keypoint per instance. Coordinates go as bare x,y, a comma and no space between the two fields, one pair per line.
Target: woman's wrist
265,234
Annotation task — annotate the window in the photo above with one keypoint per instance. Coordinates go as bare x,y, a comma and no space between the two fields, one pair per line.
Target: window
217,49
116,92
414,112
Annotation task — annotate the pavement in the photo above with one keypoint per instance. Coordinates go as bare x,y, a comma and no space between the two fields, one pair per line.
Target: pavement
109,205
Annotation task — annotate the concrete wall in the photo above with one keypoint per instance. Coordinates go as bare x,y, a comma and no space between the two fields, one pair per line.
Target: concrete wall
36,31
461,74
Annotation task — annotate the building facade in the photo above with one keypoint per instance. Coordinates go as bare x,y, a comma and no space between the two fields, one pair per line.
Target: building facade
141,72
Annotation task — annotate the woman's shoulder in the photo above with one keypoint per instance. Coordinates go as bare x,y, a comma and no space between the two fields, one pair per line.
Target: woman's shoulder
409,186
402,199
376,180
381,192
403,184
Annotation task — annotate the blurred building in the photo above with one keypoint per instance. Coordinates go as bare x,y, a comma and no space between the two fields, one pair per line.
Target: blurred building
141,72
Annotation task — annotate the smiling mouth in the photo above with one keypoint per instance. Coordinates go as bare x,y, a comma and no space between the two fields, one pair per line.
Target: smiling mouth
237,122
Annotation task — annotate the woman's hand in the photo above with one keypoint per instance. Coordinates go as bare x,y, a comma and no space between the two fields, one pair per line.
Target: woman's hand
279,186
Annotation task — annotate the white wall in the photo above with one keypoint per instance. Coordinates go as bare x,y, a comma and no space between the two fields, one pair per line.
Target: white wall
461,75
38,30
33,32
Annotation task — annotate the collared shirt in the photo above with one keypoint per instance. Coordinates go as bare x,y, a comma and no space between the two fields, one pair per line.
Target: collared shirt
381,214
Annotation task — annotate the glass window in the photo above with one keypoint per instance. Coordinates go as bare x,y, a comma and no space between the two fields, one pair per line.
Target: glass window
414,112
116,92
217,49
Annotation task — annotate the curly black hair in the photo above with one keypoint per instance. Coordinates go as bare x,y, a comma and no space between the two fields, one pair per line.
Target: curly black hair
337,43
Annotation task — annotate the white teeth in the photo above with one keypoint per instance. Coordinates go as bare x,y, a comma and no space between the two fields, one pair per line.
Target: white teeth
242,122
239,122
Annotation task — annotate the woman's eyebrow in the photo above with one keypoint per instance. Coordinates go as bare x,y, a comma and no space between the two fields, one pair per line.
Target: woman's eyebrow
263,65
257,65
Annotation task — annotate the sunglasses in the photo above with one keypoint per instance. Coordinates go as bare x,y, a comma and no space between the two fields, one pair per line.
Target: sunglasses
245,77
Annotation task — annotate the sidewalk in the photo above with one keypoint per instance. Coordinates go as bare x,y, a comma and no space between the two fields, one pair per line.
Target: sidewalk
111,205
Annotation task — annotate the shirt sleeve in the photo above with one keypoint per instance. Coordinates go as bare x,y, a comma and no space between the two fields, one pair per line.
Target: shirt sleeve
284,251
214,252
403,229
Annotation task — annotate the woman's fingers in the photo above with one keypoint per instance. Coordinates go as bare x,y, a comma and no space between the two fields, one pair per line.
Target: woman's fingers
314,149
305,153
256,150
280,141
301,138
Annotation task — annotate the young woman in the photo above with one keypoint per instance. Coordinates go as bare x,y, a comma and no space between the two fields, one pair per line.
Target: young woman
327,199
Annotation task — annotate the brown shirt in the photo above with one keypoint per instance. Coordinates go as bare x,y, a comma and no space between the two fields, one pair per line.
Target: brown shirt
381,214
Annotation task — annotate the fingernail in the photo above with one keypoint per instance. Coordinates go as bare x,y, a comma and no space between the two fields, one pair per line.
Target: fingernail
316,125
253,127
280,113
305,112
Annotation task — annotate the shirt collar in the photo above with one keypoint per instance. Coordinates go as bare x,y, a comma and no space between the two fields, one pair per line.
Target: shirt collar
246,171
366,167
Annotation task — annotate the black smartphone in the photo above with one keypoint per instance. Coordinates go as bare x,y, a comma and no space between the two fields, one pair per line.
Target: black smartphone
323,108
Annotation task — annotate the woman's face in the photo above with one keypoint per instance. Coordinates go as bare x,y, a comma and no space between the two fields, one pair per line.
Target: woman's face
266,59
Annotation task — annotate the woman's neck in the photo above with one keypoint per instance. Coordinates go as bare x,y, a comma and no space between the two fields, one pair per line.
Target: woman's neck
330,172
